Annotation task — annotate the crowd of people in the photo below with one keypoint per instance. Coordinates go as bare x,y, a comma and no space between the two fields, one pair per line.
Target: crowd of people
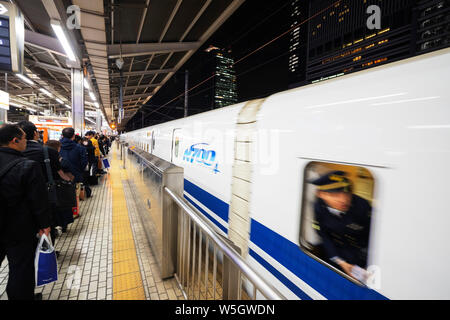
28,169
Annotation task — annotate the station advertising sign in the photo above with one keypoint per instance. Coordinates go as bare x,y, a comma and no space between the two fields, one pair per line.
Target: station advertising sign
4,100
90,114
12,38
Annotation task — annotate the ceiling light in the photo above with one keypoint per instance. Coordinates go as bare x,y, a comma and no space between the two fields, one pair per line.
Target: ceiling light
86,84
32,110
59,100
56,25
24,78
16,105
92,96
45,92
67,106
97,105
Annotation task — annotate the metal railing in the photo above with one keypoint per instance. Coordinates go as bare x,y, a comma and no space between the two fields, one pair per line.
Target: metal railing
199,247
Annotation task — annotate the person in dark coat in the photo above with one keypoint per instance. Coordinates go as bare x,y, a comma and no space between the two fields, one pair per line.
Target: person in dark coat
24,212
75,154
101,145
343,222
35,151
64,216
87,143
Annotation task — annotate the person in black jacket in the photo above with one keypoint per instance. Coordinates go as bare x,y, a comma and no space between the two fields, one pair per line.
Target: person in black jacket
87,143
64,216
35,151
75,154
343,222
101,145
24,212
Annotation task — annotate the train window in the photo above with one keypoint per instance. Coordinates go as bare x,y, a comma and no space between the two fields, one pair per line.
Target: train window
336,216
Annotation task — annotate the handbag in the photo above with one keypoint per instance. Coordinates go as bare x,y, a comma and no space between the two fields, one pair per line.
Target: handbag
61,193
106,163
92,178
45,265
52,197
82,193
66,194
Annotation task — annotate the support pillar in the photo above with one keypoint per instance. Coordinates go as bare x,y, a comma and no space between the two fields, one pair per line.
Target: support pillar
78,101
4,112
99,121
3,116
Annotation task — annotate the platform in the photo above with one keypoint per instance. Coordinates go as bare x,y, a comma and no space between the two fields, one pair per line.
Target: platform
104,255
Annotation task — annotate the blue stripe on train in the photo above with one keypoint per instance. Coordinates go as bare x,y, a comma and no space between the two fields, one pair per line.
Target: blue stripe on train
289,284
322,279
221,227
208,200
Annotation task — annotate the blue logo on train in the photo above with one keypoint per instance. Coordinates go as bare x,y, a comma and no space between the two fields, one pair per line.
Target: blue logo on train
200,154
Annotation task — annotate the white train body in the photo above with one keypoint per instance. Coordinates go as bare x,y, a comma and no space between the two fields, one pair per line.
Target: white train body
393,120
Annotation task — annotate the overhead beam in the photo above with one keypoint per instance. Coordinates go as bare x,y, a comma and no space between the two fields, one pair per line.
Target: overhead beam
139,73
145,49
23,91
213,27
136,96
143,86
44,42
47,66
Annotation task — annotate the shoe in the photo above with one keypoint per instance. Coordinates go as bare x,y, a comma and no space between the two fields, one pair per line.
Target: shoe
38,296
57,253
64,230
58,230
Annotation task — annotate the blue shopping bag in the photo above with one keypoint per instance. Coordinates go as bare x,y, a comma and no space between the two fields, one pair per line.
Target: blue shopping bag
46,268
106,163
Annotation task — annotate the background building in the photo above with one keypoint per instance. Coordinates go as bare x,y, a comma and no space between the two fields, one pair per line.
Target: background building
338,40
220,91
225,93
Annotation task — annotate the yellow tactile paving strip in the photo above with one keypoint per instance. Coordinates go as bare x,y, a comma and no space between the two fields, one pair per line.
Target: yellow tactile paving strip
127,281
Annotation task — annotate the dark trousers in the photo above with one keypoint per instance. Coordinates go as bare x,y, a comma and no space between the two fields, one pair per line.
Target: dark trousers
21,279
95,165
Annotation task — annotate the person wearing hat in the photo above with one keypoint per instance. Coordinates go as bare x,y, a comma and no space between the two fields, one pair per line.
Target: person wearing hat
343,222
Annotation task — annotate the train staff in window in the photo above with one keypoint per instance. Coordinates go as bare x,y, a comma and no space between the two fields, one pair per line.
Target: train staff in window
343,222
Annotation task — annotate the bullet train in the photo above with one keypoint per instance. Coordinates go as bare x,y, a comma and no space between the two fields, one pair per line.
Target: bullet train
248,166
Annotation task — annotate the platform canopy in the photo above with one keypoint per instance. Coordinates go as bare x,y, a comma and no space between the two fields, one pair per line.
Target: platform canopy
153,38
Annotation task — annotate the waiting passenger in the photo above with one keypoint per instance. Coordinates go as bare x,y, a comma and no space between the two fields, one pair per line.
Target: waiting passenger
91,135
35,151
64,216
24,213
75,154
343,222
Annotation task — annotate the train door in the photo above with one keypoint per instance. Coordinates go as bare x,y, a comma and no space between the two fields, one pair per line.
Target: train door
176,137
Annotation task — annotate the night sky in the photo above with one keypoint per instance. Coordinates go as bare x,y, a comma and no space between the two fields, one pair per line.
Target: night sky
263,73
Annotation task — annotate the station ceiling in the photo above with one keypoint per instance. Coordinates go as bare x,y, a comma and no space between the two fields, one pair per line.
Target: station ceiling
154,38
